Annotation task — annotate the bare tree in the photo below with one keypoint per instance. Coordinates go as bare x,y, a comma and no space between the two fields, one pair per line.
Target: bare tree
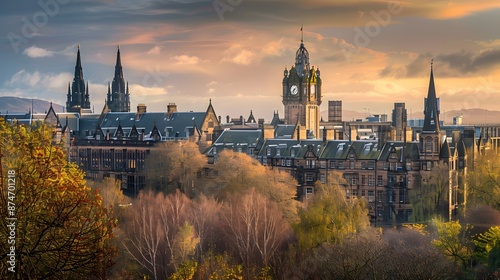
255,228
144,236
159,233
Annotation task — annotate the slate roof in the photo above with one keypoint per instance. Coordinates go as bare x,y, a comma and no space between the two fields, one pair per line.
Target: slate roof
180,124
283,145
335,149
411,151
366,149
235,140
284,131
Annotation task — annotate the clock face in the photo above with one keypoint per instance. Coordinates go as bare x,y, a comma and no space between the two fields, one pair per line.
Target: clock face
294,90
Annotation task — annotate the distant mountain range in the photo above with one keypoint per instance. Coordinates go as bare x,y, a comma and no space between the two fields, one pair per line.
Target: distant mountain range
17,105
21,105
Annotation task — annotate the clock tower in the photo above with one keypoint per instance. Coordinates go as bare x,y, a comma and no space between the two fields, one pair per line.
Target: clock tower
302,93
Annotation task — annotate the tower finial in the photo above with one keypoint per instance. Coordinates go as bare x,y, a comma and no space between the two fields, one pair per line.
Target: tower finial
302,33
118,46
78,45
432,62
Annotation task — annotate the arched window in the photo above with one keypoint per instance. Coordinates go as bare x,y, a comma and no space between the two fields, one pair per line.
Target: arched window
428,144
436,144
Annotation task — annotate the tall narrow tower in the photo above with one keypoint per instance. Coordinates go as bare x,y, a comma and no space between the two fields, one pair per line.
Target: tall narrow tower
302,92
430,137
78,97
118,98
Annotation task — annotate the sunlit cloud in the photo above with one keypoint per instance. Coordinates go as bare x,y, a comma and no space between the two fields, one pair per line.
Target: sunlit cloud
185,59
37,52
155,50
239,55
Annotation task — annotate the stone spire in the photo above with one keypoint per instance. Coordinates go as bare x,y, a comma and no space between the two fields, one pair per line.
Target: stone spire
78,98
431,107
119,101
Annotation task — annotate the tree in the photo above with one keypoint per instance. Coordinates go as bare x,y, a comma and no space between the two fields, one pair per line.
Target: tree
174,165
112,195
485,242
410,254
159,234
255,229
237,172
330,217
61,228
432,198
358,256
484,181
452,239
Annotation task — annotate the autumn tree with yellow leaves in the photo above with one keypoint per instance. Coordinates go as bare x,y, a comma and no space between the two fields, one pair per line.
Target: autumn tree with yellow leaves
61,229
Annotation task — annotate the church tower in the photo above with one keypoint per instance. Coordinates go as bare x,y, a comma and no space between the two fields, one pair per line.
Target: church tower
78,95
302,93
118,98
430,137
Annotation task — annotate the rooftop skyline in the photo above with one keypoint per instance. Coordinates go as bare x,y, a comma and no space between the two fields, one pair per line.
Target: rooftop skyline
371,53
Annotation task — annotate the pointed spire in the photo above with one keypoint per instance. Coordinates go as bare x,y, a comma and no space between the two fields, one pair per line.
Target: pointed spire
118,66
78,66
431,106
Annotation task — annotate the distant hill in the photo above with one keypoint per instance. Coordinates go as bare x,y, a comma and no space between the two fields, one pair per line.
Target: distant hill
472,116
22,105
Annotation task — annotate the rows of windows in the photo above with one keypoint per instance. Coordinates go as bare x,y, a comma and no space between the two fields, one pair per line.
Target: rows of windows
110,159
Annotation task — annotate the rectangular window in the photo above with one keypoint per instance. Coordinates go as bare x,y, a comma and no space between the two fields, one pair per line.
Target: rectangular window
371,196
371,165
371,180
355,193
379,180
380,195
309,177
322,178
363,180
322,164
332,164
288,162
341,165
351,165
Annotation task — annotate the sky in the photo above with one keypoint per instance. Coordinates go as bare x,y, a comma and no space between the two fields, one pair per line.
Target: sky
233,52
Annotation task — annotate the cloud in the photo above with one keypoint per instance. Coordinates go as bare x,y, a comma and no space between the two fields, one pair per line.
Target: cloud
237,54
36,52
185,59
155,50
53,81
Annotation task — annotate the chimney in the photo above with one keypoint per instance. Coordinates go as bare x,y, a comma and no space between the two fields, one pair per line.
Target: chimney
141,109
268,131
171,108
227,119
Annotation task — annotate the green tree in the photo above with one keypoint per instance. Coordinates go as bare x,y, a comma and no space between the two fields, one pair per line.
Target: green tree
484,181
330,216
485,242
62,230
431,199
452,239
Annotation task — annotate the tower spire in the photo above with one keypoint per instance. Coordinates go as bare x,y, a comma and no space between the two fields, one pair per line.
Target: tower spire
78,97
431,106
119,101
